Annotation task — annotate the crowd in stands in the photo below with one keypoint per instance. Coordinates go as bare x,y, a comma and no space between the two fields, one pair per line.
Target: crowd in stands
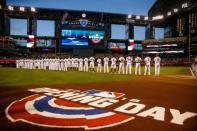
178,40
7,42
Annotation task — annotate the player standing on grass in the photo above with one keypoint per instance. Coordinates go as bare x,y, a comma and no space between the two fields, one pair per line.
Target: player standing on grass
121,65
92,63
76,64
138,65
62,64
41,63
53,64
147,65
129,60
69,64
17,63
31,64
59,64
37,64
157,61
21,63
106,63
85,64
72,63
99,65
113,65
195,66
80,64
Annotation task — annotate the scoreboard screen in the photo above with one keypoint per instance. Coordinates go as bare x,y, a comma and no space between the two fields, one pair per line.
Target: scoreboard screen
74,37
117,46
81,37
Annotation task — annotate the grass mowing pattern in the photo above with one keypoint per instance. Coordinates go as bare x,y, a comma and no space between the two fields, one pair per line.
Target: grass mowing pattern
21,77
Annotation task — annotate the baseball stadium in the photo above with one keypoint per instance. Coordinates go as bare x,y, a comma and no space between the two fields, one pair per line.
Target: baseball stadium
113,65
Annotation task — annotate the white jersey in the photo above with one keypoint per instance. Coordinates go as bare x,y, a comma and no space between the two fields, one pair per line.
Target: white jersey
195,60
81,61
157,60
122,59
73,61
66,61
147,60
47,62
99,61
113,60
91,59
138,59
69,62
85,60
76,60
129,59
106,60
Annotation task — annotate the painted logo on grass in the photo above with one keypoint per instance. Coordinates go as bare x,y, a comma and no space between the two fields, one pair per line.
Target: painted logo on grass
43,110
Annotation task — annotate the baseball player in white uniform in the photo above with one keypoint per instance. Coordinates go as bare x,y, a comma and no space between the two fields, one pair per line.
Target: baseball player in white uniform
85,64
62,64
41,63
17,63
72,63
47,62
76,64
31,64
65,65
99,65
121,65
195,60
69,64
129,60
194,66
157,61
113,65
37,64
147,65
91,63
106,63
51,64
21,63
138,65
80,64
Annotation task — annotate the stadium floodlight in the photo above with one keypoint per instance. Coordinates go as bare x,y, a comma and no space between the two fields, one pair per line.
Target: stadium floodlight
22,9
137,17
176,10
184,5
146,18
11,8
83,15
129,16
33,9
169,13
158,17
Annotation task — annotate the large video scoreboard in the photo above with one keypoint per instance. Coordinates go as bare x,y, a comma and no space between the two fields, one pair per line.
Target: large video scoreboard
82,33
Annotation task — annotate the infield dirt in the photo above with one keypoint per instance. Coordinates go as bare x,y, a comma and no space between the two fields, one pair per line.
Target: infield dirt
168,92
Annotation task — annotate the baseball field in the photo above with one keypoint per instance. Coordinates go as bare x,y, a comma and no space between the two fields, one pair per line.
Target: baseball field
164,103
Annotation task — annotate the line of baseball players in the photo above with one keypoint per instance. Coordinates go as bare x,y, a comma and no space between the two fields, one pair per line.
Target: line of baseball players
88,64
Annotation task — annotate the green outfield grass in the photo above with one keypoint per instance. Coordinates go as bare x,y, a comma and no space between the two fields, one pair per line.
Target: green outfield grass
21,77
